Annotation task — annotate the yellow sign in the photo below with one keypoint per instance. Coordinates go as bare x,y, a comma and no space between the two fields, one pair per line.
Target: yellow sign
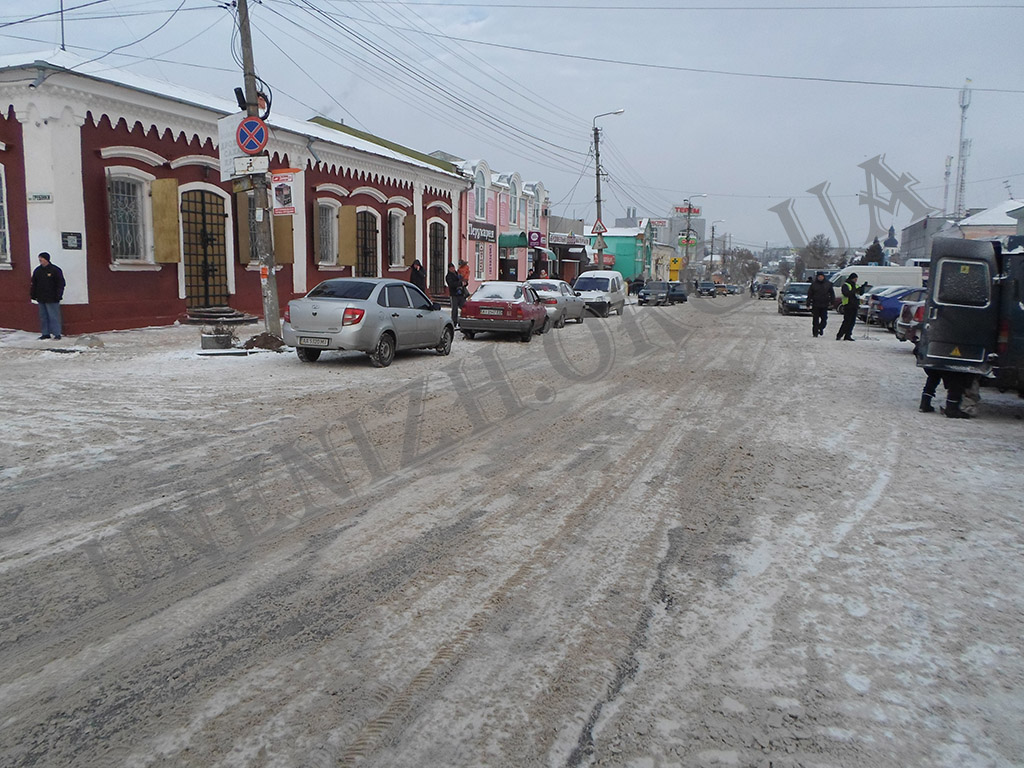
955,352
964,269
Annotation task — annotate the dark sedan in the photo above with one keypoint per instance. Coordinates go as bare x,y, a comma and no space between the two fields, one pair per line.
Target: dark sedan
767,291
793,298
676,292
655,292
503,307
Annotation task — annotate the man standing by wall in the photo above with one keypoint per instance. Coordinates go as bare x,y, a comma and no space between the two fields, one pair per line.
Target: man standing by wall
48,290
821,297
851,301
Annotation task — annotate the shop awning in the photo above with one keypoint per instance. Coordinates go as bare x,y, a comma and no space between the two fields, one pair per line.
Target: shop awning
512,240
548,253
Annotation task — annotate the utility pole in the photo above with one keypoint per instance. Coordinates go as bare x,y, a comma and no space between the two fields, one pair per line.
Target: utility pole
959,202
260,231
597,174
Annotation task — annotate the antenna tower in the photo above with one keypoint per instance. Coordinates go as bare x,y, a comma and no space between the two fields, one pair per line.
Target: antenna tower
959,206
945,193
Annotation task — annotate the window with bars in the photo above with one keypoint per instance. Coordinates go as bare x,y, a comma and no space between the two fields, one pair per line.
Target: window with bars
366,244
5,248
127,224
326,222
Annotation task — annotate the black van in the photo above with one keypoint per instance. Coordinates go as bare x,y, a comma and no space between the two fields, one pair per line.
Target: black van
974,317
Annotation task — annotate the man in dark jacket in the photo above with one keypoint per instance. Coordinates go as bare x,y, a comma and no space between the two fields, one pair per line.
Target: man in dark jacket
418,276
48,290
821,297
455,290
851,300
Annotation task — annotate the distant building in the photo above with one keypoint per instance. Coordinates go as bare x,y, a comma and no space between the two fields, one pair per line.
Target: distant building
995,222
916,239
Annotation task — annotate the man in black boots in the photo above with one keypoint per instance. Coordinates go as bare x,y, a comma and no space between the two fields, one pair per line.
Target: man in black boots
851,301
821,297
955,384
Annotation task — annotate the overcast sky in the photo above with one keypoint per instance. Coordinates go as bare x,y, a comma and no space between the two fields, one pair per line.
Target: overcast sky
477,80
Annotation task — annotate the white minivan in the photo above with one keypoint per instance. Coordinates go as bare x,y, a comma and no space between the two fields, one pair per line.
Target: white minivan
603,290
911,277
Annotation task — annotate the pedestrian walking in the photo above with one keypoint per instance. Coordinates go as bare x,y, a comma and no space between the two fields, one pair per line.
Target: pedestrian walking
851,301
418,276
821,297
455,291
48,291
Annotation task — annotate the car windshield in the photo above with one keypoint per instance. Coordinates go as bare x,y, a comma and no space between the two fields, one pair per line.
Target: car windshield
800,289
657,286
707,285
592,284
540,285
499,291
342,289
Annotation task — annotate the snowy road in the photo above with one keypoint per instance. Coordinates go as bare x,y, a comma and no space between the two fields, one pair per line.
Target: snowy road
692,535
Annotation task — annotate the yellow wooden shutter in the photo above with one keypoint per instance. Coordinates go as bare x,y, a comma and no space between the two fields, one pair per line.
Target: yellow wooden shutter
284,250
410,240
166,240
347,236
242,227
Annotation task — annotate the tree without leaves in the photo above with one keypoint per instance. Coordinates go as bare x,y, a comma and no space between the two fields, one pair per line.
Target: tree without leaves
817,253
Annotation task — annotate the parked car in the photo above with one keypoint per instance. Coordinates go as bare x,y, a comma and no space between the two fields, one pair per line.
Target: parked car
865,300
733,290
655,292
504,307
767,291
371,315
885,308
706,289
603,290
676,292
793,298
910,320
560,300
721,289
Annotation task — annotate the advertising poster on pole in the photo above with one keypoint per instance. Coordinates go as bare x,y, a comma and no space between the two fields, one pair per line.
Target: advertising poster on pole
281,185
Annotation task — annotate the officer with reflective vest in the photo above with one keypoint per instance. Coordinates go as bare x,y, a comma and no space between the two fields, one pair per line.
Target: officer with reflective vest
851,301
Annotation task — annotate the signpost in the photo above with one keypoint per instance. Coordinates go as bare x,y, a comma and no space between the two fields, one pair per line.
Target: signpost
599,228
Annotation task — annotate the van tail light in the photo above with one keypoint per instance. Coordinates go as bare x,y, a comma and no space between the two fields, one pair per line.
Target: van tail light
287,316
1003,339
352,316
919,314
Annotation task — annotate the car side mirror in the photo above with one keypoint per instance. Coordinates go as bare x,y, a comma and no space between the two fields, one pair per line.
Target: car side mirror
436,307
578,293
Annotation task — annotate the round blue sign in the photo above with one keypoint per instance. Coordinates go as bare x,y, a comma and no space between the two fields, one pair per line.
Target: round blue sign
252,135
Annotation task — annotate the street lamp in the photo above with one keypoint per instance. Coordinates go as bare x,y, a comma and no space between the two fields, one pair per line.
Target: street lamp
686,235
711,264
597,171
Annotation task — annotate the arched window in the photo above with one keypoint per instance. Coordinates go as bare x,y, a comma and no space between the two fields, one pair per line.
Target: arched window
513,203
481,195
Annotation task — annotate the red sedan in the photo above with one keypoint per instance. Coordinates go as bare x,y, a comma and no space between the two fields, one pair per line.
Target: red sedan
502,307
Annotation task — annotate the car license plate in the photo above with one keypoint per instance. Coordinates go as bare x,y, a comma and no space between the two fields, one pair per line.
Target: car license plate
486,311
313,341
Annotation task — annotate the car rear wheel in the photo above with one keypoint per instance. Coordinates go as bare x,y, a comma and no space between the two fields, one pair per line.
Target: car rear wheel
561,320
527,335
307,355
384,352
545,326
444,346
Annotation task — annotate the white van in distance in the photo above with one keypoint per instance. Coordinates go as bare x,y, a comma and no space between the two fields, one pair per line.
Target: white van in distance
874,276
603,290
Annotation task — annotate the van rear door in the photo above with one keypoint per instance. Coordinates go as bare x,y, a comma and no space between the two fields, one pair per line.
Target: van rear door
962,315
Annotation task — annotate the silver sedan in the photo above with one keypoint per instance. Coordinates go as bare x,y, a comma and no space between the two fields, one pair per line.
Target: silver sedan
371,315
560,300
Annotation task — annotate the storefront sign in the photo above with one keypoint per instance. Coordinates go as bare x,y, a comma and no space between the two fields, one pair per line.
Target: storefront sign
659,223
556,238
487,233
537,239
281,185
692,210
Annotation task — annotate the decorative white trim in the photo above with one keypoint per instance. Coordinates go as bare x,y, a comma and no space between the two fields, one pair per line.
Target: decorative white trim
229,238
380,235
399,200
442,206
134,153
5,265
335,189
203,160
3,147
141,266
373,192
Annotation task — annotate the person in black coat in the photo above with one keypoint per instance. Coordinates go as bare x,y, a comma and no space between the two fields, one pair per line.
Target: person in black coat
48,291
455,290
821,297
418,276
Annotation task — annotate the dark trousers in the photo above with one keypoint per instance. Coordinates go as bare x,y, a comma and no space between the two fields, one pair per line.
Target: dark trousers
849,318
819,319
954,382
